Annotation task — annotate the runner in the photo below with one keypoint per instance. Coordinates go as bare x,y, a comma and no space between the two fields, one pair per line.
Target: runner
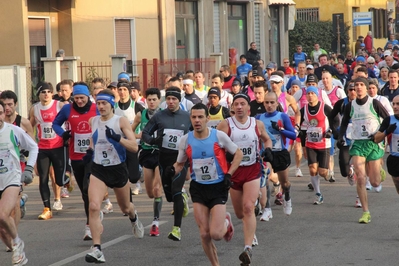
246,132
148,156
205,149
170,125
12,139
77,115
51,146
365,113
112,136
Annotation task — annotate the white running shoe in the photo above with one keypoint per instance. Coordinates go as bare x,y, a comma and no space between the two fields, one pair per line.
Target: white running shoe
255,241
137,190
358,204
298,173
287,207
267,215
108,208
95,256
18,256
138,228
379,188
351,176
64,192
57,205
87,235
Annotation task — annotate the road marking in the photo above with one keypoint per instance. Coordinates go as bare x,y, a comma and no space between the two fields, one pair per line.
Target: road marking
105,245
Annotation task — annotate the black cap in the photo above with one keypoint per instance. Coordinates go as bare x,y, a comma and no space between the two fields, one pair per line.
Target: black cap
257,71
41,86
312,78
214,91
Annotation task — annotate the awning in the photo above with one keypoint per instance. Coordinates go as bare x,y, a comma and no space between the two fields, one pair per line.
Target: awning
281,2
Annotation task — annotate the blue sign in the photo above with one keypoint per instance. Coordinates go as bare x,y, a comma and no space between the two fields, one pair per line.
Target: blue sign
361,22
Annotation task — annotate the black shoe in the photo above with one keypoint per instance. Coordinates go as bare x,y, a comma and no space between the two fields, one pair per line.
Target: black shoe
245,257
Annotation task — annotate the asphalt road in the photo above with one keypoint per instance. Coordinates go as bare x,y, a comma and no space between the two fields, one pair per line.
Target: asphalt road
327,234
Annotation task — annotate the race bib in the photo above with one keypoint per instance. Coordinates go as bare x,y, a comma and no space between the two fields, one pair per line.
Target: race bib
106,154
248,150
277,145
205,170
213,123
47,131
314,134
171,139
81,142
6,164
395,142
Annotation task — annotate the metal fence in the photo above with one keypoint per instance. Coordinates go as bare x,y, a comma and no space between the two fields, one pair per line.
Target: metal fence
149,73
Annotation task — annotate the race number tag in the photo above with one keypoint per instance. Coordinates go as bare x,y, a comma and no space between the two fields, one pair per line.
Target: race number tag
277,145
204,169
6,163
395,142
47,131
314,134
248,151
106,154
172,138
81,142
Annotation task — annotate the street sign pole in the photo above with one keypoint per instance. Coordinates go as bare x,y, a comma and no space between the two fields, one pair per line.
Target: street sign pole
338,37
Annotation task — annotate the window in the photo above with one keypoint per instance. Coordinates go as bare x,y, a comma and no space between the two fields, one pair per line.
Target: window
257,24
237,27
307,14
380,23
186,29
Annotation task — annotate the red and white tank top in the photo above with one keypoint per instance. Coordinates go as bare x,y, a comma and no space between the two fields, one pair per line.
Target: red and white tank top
317,126
44,116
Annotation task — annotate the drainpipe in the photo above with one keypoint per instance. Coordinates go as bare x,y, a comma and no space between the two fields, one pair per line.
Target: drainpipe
160,31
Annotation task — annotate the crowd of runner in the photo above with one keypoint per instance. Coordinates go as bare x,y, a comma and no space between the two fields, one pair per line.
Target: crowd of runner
229,136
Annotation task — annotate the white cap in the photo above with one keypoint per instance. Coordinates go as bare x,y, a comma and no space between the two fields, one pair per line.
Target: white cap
276,78
387,52
309,66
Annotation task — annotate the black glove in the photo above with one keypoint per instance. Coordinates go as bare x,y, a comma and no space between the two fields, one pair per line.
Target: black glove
169,172
110,133
27,175
300,133
158,139
328,134
371,137
227,181
340,143
88,157
66,135
24,153
275,126
267,155
390,129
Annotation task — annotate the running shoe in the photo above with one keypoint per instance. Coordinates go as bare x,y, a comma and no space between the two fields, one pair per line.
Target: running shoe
331,177
351,176
379,188
137,190
318,199
255,241
87,235
64,192
138,228
310,186
22,205
358,204
230,228
108,208
245,257
8,249
257,207
154,231
46,214
95,256
57,205
287,207
175,235
18,256
267,215
185,202
298,173
366,218
279,199
383,174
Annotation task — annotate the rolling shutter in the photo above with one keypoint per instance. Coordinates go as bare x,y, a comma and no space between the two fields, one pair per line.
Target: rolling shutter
123,37
37,32
216,28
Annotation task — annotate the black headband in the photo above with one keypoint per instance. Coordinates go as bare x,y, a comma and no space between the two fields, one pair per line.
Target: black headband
241,95
173,93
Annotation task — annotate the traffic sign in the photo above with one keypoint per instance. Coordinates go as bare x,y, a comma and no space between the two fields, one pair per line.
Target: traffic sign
362,18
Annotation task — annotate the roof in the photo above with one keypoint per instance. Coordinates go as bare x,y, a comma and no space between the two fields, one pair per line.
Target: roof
281,2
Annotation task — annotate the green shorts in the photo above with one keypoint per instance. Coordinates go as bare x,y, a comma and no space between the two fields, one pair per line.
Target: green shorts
366,148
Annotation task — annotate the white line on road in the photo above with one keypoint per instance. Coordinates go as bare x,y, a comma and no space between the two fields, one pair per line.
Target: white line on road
105,245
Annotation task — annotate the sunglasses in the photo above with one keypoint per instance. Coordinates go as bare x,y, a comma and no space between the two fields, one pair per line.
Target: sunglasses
269,102
43,92
352,89
286,62
275,82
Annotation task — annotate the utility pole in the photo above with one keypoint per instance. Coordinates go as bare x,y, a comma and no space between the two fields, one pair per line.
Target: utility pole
338,37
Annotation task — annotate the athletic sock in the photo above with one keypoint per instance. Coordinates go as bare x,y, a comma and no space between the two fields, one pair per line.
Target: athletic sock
97,246
107,201
157,207
268,192
316,183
